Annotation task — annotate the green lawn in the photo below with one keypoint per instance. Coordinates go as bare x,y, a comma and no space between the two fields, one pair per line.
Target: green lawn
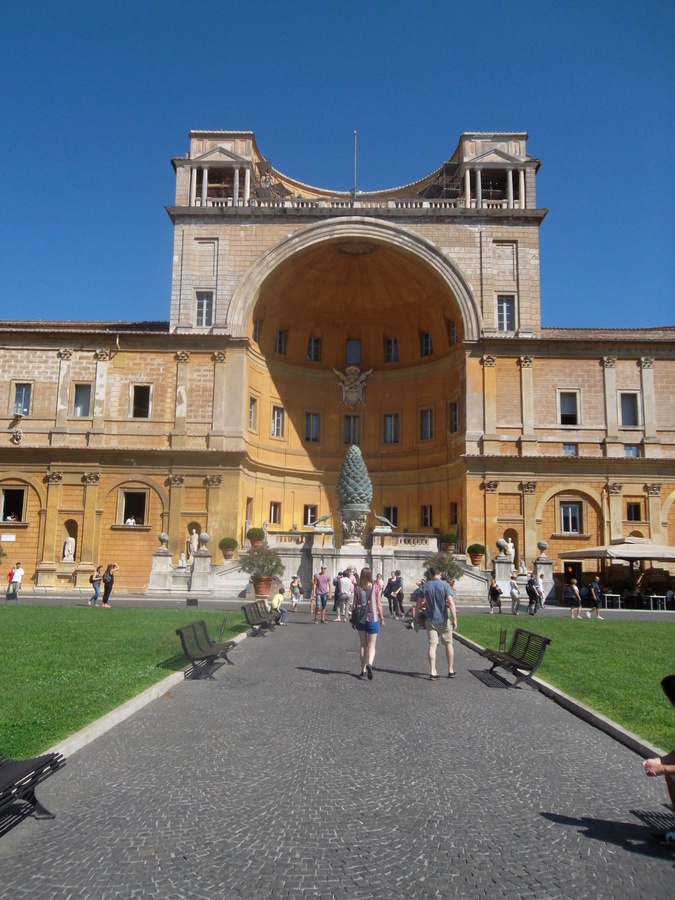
64,667
613,666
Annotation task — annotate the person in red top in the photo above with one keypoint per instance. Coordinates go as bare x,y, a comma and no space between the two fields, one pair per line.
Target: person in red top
321,594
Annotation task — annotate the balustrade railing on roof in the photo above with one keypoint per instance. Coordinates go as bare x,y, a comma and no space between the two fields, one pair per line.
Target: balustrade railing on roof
302,203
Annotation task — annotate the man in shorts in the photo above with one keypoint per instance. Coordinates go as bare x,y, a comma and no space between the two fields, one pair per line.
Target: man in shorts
321,594
594,597
441,619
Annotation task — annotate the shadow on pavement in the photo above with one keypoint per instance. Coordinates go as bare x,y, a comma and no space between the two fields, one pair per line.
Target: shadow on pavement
626,835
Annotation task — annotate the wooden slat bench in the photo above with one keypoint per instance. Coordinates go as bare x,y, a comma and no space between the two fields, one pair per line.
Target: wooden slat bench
20,777
523,657
259,618
202,652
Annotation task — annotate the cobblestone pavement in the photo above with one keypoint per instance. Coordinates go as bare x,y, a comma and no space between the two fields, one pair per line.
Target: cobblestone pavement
287,776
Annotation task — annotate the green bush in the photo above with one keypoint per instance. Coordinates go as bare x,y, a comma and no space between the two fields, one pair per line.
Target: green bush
228,543
446,563
476,548
449,538
255,534
261,561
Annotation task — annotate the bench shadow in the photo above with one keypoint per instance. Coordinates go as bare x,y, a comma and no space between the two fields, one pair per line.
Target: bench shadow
13,815
320,671
627,835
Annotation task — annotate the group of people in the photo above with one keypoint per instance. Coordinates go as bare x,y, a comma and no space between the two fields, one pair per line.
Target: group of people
534,587
592,594
105,578
14,579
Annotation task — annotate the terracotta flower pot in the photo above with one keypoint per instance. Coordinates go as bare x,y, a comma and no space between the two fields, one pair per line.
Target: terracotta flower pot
228,554
475,558
261,584
448,548
255,545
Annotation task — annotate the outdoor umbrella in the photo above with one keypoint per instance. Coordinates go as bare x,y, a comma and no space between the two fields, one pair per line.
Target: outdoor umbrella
630,549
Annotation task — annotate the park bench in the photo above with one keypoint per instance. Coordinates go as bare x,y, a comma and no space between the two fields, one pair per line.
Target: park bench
523,657
202,652
259,618
20,777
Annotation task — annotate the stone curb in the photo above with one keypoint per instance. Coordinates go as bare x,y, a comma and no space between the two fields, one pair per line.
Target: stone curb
588,714
107,722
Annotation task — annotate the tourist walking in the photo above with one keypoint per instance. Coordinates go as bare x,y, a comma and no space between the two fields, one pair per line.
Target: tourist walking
539,585
276,607
594,598
575,599
343,590
321,595
532,595
95,581
367,595
514,593
397,595
108,583
664,765
14,582
389,589
441,618
296,592
495,596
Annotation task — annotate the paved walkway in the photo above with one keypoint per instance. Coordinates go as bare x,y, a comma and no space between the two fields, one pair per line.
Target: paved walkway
286,776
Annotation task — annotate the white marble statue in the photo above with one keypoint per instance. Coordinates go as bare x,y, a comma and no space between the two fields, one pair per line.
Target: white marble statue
193,544
69,550
181,561
510,550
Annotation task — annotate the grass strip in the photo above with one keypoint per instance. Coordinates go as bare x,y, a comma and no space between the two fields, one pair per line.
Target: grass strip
615,667
65,667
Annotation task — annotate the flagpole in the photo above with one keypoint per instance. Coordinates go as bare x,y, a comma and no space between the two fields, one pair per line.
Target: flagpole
355,165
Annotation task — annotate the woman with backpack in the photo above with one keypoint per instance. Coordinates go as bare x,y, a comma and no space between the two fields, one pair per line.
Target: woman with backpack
95,581
108,582
366,618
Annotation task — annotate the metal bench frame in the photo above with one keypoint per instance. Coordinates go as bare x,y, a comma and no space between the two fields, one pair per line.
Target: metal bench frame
259,618
202,652
19,778
523,657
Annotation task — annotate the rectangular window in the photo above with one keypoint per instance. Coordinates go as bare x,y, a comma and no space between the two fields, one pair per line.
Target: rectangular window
452,333
392,429
204,308
82,401
506,313
280,342
309,515
312,428
13,504
252,413
570,514
630,410
426,424
22,394
314,349
256,329
140,408
391,350
353,352
570,449
426,344
275,513
569,407
391,513
133,507
352,429
453,417
277,422
634,512
453,517
631,450
426,516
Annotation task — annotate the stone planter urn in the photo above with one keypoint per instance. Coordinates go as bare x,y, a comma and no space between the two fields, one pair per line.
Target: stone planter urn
475,558
262,584
448,542
475,552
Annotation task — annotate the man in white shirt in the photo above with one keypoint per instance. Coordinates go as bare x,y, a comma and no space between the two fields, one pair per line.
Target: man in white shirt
15,583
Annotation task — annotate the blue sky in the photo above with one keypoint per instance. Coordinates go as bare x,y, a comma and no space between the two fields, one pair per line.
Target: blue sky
97,97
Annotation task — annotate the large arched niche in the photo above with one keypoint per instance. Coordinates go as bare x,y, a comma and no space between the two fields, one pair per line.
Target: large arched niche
362,270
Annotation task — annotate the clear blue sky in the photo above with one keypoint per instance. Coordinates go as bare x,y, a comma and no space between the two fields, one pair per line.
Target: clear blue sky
98,96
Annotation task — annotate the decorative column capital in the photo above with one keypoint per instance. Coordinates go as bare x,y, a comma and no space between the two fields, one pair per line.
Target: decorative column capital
615,488
176,480
489,361
219,356
183,356
609,362
654,490
214,480
54,477
529,487
647,362
526,362
490,487
101,354
91,477
64,353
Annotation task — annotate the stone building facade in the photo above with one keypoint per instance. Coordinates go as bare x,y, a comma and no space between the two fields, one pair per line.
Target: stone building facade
303,320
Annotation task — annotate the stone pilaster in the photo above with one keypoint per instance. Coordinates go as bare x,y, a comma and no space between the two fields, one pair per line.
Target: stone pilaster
490,437
178,435
59,435
615,496
652,445
176,496
528,441
654,512
529,489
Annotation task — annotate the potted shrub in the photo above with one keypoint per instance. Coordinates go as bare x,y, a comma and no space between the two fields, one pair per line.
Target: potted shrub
446,563
449,542
476,553
262,564
228,545
256,536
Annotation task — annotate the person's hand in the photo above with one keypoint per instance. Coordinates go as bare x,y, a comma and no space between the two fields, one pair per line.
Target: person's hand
653,766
